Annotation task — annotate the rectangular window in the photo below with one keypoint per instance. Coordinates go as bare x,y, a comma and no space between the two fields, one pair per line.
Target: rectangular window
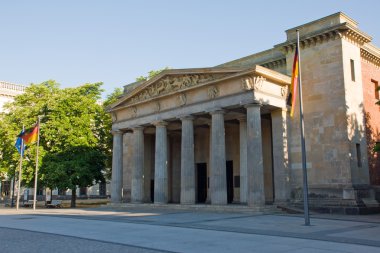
358,155
352,70
376,86
237,181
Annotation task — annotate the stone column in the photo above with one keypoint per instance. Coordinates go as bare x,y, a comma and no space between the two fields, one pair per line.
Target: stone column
255,168
117,166
137,191
161,164
187,161
280,156
243,159
218,181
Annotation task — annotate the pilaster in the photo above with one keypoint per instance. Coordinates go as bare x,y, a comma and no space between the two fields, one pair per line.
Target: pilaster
243,159
280,155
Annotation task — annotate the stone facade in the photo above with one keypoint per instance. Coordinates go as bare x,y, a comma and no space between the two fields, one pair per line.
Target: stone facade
223,135
8,91
371,80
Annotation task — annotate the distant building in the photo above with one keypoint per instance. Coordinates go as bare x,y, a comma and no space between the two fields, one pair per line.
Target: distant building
8,91
223,134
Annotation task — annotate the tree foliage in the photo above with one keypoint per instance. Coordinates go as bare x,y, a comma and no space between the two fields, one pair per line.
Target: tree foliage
77,166
106,145
73,134
151,74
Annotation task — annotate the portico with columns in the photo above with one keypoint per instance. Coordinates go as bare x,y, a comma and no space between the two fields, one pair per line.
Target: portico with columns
210,135
223,135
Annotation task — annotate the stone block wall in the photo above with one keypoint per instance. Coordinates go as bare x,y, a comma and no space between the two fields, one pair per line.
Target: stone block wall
327,146
371,79
355,112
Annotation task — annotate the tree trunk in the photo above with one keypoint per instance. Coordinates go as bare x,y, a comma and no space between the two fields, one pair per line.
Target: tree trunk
73,197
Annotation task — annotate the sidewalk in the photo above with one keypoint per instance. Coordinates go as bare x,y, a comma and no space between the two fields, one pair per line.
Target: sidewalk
182,231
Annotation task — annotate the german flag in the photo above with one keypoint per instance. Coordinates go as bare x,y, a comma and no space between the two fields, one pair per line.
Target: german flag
30,135
291,101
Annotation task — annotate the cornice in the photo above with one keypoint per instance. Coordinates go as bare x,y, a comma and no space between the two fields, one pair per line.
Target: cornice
340,31
371,54
275,63
272,75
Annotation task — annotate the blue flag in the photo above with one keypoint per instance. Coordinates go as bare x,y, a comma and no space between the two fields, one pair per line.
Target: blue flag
18,144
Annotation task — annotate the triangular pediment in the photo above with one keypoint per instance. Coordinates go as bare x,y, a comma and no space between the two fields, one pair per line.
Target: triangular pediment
171,81
179,80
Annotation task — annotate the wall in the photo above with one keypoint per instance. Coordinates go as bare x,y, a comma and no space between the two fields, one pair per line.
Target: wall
355,113
324,106
370,73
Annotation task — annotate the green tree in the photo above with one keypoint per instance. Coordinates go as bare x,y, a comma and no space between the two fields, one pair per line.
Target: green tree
77,166
113,97
8,155
70,118
105,135
151,74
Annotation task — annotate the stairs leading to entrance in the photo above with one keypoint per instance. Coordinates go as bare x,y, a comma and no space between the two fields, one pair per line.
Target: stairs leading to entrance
267,209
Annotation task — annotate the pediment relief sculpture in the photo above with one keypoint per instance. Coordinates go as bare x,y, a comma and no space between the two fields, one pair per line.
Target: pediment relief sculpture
133,111
213,92
252,82
173,83
284,91
182,99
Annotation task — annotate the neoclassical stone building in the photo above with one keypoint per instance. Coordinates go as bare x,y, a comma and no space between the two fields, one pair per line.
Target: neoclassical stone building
223,135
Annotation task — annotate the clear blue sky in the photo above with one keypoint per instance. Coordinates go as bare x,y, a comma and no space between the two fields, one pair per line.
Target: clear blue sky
115,41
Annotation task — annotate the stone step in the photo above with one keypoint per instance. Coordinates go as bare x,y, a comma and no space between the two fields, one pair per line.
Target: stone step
198,207
369,202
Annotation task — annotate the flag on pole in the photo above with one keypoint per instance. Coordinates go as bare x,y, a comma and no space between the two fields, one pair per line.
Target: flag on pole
30,135
20,144
291,101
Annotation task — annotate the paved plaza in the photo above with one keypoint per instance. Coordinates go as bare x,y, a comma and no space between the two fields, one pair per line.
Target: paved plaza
152,230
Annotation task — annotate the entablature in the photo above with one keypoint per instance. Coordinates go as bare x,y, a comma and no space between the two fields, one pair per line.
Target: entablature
345,30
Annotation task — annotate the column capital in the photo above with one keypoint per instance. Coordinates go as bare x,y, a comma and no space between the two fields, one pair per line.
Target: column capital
186,117
254,104
216,111
242,118
117,132
137,128
160,123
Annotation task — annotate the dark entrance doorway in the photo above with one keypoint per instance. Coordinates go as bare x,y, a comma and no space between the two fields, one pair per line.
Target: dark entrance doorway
230,181
152,190
201,182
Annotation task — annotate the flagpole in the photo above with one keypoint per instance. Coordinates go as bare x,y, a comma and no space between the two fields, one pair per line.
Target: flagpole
20,171
36,173
302,127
